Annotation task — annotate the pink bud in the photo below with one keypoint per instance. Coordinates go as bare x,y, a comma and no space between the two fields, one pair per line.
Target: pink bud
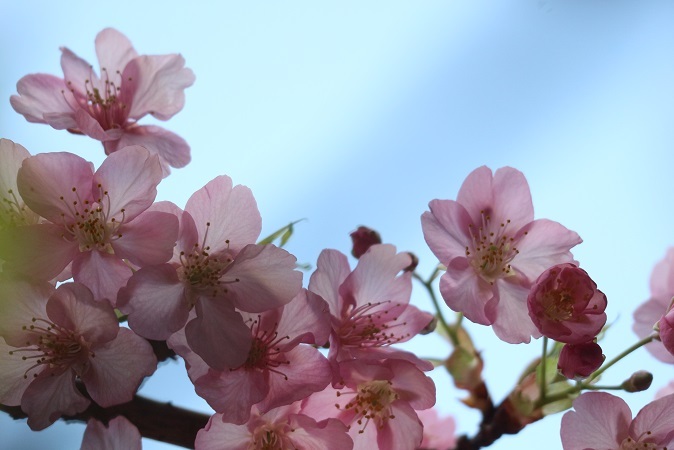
363,238
578,361
565,305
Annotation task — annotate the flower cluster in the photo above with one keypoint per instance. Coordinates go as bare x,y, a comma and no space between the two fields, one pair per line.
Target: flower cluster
284,360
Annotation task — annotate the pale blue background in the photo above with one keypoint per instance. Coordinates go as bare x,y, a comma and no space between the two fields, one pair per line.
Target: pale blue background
349,113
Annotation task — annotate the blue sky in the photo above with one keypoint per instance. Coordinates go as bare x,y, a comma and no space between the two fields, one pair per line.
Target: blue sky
356,113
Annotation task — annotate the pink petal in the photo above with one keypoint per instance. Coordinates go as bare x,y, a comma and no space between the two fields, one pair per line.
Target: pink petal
464,291
403,431
646,316
546,243
332,269
76,72
12,371
375,277
662,278
159,82
476,193
73,307
172,150
118,367
512,197
231,212
218,334
11,157
90,126
306,318
40,94
154,299
513,323
265,278
130,177
103,273
120,434
21,302
600,421
149,239
45,178
657,420
51,396
307,370
412,385
445,229
232,393
114,51
36,250
218,435
328,434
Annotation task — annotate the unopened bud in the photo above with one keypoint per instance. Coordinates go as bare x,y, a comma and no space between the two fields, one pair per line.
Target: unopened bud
414,264
363,238
430,327
639,381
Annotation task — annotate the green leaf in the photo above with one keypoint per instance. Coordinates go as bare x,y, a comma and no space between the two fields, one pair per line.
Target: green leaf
283,234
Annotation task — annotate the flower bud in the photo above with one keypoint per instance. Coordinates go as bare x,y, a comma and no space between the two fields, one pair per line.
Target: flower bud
577,361
639,381
413,265
565,305
430,327
363,238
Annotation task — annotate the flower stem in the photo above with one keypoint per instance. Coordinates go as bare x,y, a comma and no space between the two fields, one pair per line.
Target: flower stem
620,356
451,331
543,366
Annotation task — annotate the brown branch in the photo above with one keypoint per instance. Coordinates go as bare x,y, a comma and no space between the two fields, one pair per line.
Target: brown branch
160,421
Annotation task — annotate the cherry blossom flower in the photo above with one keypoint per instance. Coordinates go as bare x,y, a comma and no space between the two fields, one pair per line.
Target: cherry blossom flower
370,306
280,368
648,314
281,428
604,421
53,339
565,305
98,221
438,431
106,106
215,270
119,434
494,249
577,361
378,403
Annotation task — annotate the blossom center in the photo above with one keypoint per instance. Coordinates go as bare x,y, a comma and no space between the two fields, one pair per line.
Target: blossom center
639,444
558,306
14,212
371,325
372,402
53,348
93,227
492,248
269,437
265,352
102,99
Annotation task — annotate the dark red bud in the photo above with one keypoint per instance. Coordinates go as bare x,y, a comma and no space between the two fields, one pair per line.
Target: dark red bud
363,238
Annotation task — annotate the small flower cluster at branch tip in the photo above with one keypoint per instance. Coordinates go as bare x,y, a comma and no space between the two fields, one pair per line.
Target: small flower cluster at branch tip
565,305
494,250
